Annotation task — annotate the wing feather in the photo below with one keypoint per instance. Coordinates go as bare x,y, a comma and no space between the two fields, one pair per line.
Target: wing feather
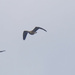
36,28
24,34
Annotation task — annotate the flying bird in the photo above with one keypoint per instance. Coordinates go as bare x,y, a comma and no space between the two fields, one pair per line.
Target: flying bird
31,32
2,51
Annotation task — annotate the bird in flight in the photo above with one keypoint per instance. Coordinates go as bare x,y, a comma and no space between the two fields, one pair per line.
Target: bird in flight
2,51
31,32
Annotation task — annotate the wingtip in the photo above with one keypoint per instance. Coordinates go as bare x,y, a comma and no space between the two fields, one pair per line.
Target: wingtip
45,30
23,39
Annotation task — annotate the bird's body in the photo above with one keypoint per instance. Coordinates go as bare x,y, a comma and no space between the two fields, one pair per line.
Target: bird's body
31,32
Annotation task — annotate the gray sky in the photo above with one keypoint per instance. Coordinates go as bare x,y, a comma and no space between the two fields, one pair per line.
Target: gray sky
45,53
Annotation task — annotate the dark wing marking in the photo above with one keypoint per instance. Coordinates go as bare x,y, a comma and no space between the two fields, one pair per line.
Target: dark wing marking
36,28
24,34
2,51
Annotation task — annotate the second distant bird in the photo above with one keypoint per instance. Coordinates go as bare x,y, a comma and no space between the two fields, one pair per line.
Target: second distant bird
31,32
2,51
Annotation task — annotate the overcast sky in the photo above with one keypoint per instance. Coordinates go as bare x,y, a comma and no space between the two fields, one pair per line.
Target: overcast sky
45,53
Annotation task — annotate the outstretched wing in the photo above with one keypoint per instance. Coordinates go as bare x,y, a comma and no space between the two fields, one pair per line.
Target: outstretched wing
36,28
24,34
2,51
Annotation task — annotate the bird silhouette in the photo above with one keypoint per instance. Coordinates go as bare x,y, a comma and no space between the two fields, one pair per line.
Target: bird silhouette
2,51
31,32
